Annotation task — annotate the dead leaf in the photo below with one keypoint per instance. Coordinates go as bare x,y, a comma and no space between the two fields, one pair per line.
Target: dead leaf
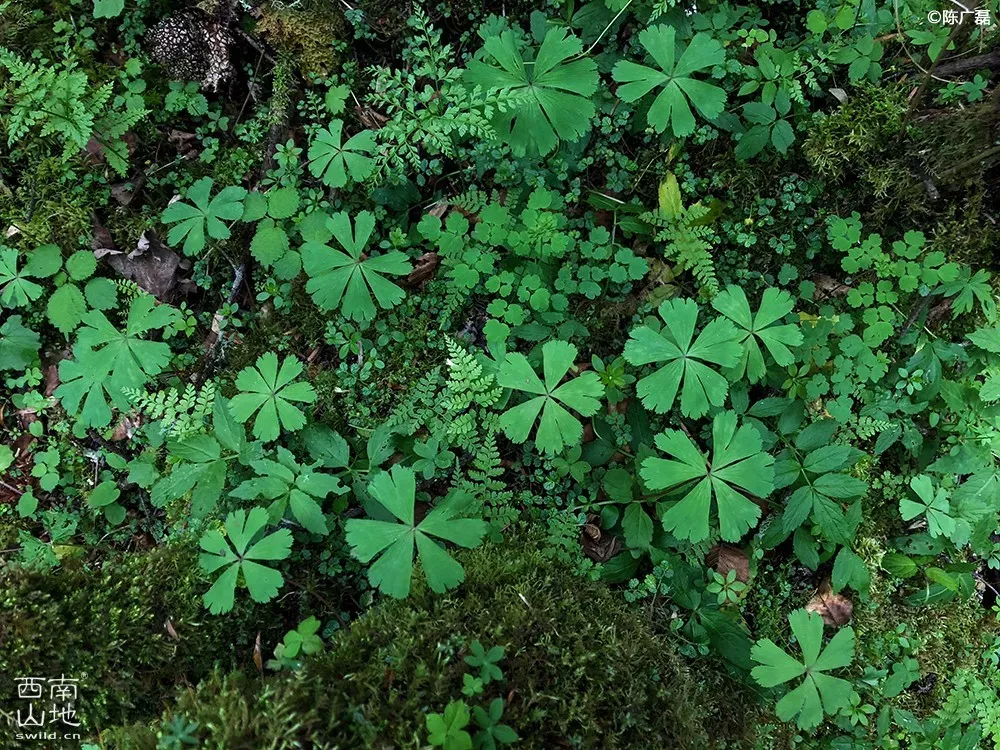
153,266
829,286
257,658
724,558
371,118
439,209
51,379
126,427
170,630
835,609
124,192
185,143
597,545
101,239
426,265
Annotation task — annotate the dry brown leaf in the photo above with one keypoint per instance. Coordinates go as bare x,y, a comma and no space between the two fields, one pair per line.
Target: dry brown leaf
597,545
126,427
439,209
152,266
170,630
423,270
51,379
724,558
835,609
829,286
257,658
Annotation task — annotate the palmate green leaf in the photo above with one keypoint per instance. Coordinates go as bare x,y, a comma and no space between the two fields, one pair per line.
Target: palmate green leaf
239,556
558,428
933,505
818,693
548,99
333,163
754,330
294,489
107,361
393,543
207,215
736,468
270,394
674,75
18,345
968,289
203,466
685,367
346,279
15,288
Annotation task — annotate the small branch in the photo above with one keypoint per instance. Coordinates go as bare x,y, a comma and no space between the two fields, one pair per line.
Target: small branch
918,97
970,162
990,61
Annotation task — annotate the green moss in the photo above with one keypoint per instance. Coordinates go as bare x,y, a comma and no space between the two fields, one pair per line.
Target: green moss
852,140
581,670
109,629
307,34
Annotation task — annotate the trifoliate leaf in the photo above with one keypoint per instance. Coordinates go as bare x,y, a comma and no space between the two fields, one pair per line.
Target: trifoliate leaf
393,543
237,556
685,361
931,504
737,467
270,393
346,279
547,98
558,428
675,76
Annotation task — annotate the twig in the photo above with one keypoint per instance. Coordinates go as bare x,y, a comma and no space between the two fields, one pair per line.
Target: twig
918,97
